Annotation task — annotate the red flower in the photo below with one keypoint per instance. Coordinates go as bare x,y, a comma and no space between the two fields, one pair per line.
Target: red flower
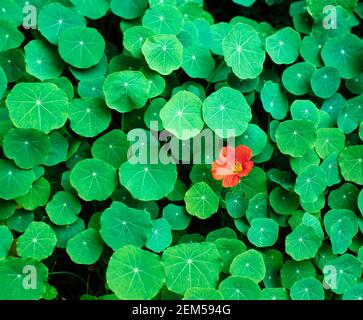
232,164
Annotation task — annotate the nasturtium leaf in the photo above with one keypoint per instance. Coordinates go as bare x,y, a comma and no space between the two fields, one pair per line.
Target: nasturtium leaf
54,18
243,51
58,149
293,271
351,164
160,237
20,220
14,273
302,243
274,100
325,82
201,201
283,201
89,116
93,179
310,49
298,165
6,240
65,233
344,197
16,182
135,37
93,9
121,225
182,115
228,250
81,47
37,196
354,293
163,19
305,110
341,235
311,183
163,53
42,60
221,109
307,289
351,114
239,288
342,273
129,9
112,148
253,184
134,273
86,247
257,207
132,90
295,137
330,140
344,52
331,169
296,78
249,264
274,294
176,216
263,232
64,208
38,241
10,36
7,209
202,294
236,204
197,61
41,106
148,181
27,147
191,265
283,46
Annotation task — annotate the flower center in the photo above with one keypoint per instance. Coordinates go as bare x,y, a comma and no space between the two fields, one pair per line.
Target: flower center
237,168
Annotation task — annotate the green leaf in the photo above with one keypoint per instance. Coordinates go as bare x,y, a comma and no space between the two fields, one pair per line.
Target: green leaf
220,110
296,78
38,241
10,36
302,243
37,196
274,100
283,201
191,265
89,116
133,90
14,273
345,53
330,140
239,288
6,240
182,115
121,225
133,273
54,18
93,9
293,271
263,232
197,62
17,182
27,147
249,264
307,289
201,201
81,47
283,46
160,237
202,294
176,216
311,183
148,181
163,19
93,179
41,106
86,247
129,9
63,209
325,82
163,53
351,164
305,110
295,137
243,51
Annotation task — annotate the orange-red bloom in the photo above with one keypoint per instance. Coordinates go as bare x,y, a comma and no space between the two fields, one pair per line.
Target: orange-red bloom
232,164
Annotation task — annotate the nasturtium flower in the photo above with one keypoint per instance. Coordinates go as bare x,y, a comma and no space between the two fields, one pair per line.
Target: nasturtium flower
232,164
